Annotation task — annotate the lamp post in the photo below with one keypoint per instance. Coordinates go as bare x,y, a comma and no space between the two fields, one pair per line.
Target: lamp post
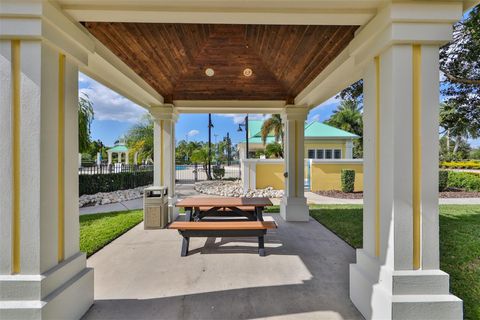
240,125
210,126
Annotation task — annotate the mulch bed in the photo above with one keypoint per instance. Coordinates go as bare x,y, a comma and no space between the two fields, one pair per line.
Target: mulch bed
449,193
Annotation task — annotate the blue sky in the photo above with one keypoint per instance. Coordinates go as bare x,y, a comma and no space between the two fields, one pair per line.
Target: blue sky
114,115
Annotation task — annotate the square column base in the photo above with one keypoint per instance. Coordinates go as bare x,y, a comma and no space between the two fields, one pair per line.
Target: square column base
63,292
294,209
379,292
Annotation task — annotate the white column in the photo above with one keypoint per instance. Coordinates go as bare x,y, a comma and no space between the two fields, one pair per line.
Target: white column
293,206
119,160
126,158
79,160
43,274
349,149
99,160
165,117
135,158
397,275
109,157
249,174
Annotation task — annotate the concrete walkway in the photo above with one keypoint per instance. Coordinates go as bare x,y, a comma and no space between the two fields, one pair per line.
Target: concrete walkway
183,191
304,276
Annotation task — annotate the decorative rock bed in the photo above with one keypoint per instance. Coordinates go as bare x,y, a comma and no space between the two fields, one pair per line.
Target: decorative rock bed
234,189
110,197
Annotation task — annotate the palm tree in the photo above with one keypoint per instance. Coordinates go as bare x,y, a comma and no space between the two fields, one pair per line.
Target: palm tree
140,138
85,118
348,117
272,124
201,156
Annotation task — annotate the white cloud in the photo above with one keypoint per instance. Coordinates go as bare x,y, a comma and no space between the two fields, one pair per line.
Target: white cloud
315,118
193,133
109,105
332,100
240,118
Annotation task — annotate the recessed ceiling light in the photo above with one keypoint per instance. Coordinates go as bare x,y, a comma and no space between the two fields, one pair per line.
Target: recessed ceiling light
209,72
247,72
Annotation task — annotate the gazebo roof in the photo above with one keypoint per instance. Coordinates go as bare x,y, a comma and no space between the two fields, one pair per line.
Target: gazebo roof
118,148
313,129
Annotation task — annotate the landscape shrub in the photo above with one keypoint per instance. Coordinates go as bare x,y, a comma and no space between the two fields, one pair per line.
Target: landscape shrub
467,181
442,180
348,180
470,164
218,173
93,183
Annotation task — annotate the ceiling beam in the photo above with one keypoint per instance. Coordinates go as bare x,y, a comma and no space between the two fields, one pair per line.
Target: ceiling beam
271,16
229,106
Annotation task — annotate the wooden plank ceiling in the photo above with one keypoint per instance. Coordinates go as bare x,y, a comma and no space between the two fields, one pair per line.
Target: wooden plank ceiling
173,58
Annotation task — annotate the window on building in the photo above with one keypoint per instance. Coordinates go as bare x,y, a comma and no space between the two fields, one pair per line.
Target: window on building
328,154
320,153
337,154
311,154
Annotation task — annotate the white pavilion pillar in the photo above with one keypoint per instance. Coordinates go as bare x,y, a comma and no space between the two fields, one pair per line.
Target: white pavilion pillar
43,274
397,275
109,157
119,159
135,158
165,117
126,158
293,206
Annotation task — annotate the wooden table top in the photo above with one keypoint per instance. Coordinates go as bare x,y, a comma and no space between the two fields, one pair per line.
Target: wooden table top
223,225
224,202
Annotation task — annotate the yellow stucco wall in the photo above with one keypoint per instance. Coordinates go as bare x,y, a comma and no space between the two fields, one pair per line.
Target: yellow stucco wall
269,175
325,144
326,176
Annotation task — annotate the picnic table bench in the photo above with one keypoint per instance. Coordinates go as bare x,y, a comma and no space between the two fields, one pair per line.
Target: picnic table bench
249,210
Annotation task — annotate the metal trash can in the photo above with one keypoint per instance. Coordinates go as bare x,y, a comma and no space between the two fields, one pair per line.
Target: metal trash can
155,207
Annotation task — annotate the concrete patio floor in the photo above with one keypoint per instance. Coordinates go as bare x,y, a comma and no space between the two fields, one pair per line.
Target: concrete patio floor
304,276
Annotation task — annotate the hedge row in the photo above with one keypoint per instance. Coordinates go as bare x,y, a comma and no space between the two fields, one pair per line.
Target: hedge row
472,164
93,183
467,181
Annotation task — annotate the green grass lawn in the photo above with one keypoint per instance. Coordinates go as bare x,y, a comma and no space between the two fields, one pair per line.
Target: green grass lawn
98,230
459,244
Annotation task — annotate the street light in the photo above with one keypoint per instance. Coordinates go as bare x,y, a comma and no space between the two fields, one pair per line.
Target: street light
210,126
240,125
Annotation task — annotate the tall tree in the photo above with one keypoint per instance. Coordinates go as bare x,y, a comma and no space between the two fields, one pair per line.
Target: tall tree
85,118
272,125
348,117
457,123
140,138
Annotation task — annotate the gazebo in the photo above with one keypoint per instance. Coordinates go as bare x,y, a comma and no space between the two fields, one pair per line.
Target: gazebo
120,149
279,56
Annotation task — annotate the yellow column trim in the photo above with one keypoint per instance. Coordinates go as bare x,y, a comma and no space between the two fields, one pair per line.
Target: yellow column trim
61,158
417,151
377,155
16,87
161,152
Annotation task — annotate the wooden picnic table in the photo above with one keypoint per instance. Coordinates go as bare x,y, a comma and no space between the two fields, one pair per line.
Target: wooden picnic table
198,208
